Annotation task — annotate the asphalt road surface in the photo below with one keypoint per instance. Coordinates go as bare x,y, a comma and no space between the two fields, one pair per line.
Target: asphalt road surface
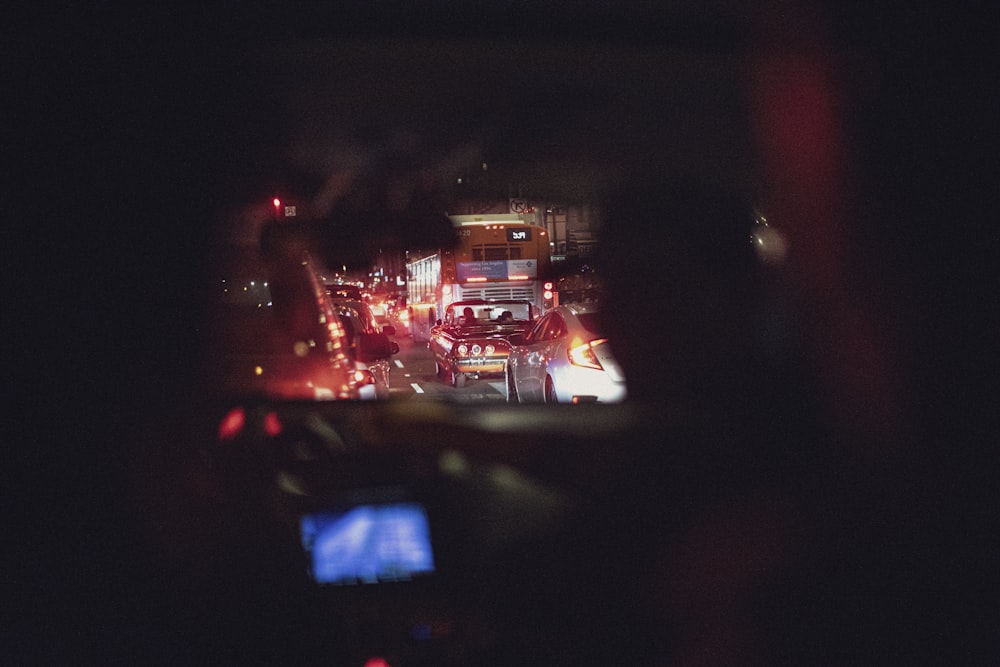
413,376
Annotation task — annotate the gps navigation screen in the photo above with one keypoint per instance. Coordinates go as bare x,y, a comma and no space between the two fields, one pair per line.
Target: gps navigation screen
368,544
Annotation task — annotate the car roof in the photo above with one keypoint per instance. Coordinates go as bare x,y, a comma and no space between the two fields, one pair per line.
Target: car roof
578,309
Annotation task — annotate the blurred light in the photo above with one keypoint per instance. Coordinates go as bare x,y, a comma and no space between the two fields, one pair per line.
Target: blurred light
453,463
477,349
547,295
377,662
232,424
463,350
258,370
276,202
490,349
272,425
771,245
517,277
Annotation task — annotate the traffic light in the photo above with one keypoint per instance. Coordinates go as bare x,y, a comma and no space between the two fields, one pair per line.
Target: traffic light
549,296
283,210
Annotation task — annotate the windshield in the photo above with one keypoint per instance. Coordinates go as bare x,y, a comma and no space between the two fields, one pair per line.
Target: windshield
280,436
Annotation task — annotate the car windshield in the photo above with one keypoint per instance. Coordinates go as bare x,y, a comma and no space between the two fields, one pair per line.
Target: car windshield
488,313
359,314
275,441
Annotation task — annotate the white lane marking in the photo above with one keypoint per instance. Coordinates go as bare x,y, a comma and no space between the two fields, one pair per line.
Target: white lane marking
417,388
398,363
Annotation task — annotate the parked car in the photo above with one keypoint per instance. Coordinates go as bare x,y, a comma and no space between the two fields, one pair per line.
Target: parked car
471,341
564,358
369,345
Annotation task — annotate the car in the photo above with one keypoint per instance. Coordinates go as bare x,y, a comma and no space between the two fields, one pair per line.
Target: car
399,316
472,339
343,291
271,336
369,345
378,305
564,358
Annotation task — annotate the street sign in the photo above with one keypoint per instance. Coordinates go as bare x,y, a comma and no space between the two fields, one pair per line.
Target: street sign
289,211
518,205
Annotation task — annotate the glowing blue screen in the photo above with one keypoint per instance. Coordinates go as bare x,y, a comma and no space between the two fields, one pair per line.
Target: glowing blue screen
368,544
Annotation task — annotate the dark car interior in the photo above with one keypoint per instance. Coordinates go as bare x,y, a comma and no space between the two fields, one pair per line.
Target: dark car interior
795,478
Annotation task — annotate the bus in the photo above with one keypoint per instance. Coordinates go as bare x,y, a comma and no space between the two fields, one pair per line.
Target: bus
497,256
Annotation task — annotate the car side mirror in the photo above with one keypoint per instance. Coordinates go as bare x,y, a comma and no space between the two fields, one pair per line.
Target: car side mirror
389,330
375,346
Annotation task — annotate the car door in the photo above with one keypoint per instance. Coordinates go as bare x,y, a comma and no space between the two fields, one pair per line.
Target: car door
524,375
551,349
538,350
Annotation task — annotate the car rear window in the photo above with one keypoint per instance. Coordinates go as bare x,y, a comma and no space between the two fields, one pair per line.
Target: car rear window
590,322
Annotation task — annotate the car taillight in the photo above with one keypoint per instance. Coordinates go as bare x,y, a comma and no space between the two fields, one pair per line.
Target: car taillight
583,355
477,349
462,350
363,377
490,349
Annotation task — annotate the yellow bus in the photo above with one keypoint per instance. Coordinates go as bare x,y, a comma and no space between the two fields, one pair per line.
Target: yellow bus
497,256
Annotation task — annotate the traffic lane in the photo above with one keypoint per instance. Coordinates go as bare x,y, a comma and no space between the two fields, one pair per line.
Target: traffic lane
413,376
